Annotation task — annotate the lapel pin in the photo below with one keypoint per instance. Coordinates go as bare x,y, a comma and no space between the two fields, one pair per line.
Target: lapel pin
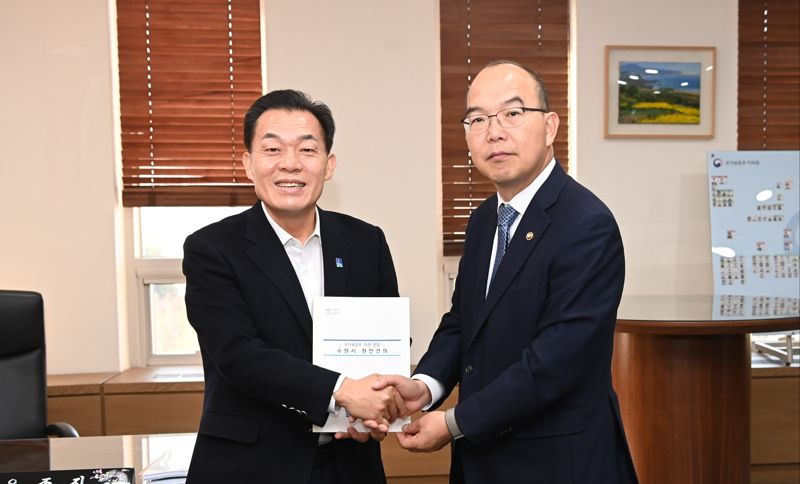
339,262
529,236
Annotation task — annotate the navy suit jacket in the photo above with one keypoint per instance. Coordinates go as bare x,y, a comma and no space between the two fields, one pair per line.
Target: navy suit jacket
261,391
533,356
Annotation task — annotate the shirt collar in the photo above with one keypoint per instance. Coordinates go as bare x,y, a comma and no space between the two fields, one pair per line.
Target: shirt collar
285,236
522,199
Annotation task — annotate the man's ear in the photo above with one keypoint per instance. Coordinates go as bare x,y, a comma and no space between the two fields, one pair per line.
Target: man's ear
551,128
248,166
330,166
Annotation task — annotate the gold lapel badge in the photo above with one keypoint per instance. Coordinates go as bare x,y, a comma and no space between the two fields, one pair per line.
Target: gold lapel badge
529,236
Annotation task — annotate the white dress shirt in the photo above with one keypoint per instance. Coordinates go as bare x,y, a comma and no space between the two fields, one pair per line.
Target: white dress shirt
305,258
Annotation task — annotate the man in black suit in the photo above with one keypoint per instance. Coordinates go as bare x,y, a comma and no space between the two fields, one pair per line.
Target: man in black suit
530,332
250,282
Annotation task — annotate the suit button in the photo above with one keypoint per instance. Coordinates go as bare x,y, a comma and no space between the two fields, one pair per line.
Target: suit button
468,369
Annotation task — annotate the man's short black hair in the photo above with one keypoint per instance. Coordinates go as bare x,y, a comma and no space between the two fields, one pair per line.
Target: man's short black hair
289,100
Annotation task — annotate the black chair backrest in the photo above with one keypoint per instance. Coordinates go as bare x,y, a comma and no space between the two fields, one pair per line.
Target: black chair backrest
23,390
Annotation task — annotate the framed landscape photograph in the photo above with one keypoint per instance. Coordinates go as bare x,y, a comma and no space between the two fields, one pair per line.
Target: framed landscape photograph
659,92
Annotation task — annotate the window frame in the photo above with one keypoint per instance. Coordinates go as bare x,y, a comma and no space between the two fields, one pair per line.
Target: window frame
141,272
158,271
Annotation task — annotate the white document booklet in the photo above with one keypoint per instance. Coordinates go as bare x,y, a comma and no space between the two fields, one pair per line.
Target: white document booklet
359,336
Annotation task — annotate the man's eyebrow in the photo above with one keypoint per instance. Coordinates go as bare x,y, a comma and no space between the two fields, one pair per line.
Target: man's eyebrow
470,110
306,137
303,137
515,99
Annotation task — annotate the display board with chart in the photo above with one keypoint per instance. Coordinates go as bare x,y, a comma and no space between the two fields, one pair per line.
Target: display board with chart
755,228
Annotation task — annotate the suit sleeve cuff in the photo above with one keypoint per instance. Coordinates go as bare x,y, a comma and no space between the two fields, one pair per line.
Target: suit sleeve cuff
333,409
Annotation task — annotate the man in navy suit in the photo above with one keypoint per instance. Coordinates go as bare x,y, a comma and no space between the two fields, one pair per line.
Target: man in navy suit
530,332
250,281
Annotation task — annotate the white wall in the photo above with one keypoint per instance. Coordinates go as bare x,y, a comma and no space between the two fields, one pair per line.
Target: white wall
57,198
656,189
376,64
57,133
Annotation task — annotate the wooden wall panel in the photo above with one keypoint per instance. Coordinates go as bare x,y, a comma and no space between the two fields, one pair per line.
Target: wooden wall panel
78,400
152,413
775,435
775,474
84,412
775,426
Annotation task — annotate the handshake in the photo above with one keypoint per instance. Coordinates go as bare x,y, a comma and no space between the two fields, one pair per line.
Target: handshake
380,399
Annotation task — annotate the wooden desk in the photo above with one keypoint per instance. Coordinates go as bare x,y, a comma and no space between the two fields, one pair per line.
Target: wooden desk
149,400
155,400
683,379
88,452
138,451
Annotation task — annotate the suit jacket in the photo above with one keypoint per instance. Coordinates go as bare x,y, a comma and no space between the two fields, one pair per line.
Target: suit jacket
533,356
261,391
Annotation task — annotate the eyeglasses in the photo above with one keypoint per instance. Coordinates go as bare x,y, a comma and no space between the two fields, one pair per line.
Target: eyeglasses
507,118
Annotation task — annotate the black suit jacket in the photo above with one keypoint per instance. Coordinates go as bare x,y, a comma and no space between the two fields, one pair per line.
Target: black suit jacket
533,356
261,391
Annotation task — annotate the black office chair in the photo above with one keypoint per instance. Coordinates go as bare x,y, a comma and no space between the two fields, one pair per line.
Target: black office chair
23,387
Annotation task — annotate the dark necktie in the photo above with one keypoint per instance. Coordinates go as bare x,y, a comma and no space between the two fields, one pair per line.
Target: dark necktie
505,217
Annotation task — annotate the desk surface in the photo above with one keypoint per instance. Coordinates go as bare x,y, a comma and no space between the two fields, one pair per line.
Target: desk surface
88,452
138,451
707,314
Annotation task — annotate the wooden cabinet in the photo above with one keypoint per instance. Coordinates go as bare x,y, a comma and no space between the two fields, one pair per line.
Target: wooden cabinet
137,401
77,400
154,400
169,399
775,425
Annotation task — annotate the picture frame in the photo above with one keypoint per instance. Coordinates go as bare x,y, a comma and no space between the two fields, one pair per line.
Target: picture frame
659,92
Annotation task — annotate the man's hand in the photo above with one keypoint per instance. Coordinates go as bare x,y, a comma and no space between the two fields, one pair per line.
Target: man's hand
362,401
352,433
427,434
415,394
